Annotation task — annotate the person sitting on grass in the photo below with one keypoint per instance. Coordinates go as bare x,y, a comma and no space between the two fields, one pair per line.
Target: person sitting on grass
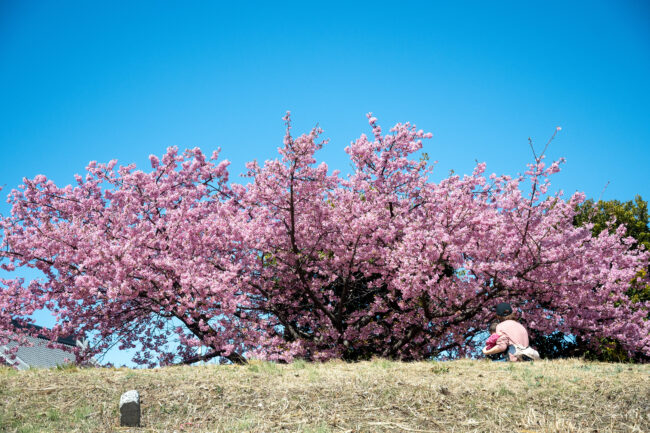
513,337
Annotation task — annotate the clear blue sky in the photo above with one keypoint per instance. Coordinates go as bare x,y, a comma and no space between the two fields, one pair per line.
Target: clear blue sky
83,81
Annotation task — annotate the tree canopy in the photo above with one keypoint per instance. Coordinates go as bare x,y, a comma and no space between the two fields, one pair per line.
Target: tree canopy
306,263
612,213
606,215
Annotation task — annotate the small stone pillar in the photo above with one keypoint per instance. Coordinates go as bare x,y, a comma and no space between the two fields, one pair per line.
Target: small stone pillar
130,409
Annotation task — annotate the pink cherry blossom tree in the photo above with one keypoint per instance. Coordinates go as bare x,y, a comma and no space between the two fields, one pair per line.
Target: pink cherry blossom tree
304,263
131,256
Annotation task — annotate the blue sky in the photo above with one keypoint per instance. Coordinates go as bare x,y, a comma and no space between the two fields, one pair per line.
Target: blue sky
83,81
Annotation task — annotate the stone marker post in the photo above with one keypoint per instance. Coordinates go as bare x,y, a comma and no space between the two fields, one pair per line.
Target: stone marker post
130,409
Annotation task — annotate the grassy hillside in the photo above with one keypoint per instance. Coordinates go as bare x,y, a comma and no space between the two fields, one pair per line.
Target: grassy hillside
377,396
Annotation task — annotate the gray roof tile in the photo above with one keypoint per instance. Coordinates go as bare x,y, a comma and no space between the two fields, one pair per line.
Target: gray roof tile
40,356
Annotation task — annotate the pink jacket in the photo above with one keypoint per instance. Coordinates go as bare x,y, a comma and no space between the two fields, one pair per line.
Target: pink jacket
492,341
511,332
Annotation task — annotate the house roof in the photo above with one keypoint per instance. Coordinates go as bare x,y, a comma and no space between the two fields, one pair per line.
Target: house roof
38,355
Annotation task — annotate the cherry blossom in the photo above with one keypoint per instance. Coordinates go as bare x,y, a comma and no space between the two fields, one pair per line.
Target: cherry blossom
302,262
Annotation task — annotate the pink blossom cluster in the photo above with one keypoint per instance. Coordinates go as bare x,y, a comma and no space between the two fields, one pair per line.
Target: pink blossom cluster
304,263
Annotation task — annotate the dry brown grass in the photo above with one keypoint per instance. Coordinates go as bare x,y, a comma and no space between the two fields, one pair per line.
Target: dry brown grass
377,396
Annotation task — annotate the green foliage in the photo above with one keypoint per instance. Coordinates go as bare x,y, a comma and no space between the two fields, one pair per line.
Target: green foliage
558,345
609,350
608,215
639,290
634,214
